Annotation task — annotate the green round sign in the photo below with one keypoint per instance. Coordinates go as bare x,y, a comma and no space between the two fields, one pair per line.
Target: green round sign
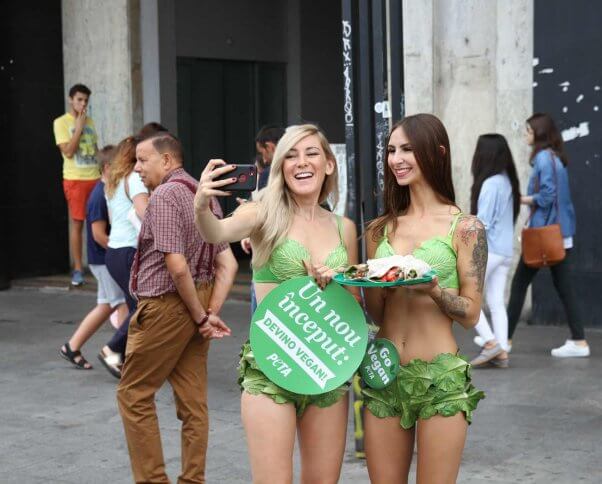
380,364
307,340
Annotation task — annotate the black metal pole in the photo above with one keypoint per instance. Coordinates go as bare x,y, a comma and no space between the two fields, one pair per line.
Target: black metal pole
348,92
365,128
381,105
395,44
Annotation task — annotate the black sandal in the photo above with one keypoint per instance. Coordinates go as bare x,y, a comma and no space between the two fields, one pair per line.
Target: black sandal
70,356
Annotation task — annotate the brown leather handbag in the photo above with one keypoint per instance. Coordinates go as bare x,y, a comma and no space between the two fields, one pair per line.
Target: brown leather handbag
543,246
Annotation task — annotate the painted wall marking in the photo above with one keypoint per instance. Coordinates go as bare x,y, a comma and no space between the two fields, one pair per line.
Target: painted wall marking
575,132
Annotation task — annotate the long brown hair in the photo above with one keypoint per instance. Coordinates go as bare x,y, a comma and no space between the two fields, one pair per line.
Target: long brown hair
546,135
492,156
427,135
123,164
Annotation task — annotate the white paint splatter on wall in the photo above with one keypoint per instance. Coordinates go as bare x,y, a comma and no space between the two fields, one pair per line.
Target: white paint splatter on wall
565,109
575,132
596,108
547,70
579,98
535,61
596,88
535,84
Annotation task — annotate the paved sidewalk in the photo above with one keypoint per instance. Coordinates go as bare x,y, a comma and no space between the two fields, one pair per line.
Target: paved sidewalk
541,421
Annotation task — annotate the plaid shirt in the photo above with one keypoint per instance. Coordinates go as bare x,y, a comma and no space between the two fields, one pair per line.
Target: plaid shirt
168,228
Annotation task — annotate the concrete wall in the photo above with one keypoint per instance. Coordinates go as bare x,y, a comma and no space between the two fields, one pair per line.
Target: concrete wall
232,30
322,67
157,26
469,62
100,50
304,35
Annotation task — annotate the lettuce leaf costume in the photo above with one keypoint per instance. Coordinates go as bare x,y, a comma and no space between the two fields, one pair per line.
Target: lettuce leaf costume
422,389
252,380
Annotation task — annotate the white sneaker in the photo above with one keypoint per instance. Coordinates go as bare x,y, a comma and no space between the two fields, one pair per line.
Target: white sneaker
570,349
479,341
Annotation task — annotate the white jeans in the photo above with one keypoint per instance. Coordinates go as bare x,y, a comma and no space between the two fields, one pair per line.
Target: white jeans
496,275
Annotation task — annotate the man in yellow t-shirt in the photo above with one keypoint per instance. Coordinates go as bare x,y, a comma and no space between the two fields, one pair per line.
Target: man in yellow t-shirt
75,136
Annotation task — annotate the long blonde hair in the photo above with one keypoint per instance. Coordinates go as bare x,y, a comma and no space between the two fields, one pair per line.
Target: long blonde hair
123,164
276,206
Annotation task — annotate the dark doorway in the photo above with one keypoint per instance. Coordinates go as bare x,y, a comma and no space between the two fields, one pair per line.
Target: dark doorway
222,105
33,237
568,75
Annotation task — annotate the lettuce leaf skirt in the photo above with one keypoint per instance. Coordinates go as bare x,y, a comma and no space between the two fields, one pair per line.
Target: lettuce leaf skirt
252,380
422,389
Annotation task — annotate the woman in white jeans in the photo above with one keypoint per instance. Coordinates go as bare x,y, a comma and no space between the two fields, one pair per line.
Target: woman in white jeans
495,199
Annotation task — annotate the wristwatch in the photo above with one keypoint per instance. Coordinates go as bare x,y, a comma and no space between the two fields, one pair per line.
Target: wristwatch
203,320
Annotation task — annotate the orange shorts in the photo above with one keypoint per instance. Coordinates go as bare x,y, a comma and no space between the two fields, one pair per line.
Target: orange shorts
76,194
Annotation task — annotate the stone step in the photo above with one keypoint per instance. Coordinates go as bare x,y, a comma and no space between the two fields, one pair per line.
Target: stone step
62,282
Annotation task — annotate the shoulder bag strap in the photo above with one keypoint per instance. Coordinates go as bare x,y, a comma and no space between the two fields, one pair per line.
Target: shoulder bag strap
556,202
556,186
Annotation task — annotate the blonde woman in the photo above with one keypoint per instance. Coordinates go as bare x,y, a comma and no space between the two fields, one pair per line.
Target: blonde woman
124,190
291,236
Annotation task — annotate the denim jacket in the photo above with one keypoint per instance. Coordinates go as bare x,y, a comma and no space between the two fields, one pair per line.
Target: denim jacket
545,199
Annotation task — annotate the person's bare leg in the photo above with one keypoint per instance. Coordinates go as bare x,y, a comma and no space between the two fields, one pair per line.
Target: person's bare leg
270,428
322,438
122,312
75,242
89,325
440,445
389,449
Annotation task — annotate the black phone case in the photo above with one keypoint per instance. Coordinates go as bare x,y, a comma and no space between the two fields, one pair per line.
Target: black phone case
246,178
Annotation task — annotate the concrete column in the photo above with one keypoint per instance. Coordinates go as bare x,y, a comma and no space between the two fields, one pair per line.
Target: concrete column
418,56
470,63
293,66
168,64
149,41
97,51
514,74
465,40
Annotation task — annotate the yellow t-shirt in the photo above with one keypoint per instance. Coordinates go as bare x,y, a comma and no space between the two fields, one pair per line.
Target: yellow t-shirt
83,165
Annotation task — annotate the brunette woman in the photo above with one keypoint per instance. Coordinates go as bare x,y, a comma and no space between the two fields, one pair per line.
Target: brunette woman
495,200
431,401
549,198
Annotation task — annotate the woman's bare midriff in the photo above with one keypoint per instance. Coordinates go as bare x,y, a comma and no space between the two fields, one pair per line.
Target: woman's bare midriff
262,289
416,325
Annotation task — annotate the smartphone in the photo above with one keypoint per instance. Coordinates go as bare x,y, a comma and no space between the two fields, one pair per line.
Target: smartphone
246,179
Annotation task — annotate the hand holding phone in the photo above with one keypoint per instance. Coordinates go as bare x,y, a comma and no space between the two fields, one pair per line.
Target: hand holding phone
243,178
218,179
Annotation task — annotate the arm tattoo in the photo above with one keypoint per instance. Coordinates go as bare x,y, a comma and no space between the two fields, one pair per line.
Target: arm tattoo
474,229
454,306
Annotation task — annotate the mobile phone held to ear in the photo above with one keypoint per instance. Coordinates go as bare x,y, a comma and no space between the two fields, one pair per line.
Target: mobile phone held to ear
246,179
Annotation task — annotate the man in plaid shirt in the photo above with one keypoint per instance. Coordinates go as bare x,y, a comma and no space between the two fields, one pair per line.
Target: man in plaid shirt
181,283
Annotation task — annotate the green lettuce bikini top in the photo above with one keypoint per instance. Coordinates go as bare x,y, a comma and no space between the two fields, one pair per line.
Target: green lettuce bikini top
438,252
287,259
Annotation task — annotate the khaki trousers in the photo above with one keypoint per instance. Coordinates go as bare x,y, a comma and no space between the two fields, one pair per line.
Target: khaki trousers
164,344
